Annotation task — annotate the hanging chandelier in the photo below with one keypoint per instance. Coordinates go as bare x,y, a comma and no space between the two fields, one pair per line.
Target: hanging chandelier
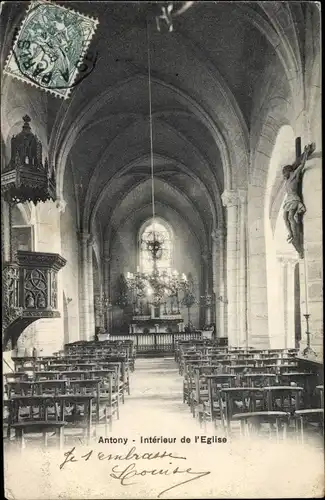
157,285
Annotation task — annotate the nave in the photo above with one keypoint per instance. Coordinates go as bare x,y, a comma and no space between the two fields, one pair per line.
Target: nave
161,228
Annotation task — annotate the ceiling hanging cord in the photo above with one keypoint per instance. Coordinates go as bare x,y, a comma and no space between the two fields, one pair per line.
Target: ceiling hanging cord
151,133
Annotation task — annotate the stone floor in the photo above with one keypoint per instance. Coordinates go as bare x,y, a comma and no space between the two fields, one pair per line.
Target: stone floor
238,468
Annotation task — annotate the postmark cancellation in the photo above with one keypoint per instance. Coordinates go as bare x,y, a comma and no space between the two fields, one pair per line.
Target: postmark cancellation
50,50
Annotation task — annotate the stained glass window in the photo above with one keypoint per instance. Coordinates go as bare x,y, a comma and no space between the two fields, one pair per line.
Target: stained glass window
156,231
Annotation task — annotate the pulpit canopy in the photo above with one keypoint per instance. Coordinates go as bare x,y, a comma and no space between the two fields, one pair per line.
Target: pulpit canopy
26,178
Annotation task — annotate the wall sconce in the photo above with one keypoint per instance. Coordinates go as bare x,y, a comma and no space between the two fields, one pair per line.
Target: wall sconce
68,299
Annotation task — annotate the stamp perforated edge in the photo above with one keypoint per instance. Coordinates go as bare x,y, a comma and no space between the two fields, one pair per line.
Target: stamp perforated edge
21,78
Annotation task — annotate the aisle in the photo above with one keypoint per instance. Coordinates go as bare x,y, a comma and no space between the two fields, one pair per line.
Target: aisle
131,469
155,404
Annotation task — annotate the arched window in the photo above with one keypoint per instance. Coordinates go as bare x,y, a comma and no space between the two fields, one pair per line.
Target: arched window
162,233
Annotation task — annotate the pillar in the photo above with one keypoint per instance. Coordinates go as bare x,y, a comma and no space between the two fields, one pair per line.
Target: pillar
290,337
278,336
90,274
242,268
230,201
84,286
49,333
218,240
313,251
204,286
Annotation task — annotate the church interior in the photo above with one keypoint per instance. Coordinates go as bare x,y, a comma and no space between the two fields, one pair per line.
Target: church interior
152,239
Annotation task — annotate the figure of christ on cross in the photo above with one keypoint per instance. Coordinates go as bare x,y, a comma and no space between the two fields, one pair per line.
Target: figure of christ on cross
293,206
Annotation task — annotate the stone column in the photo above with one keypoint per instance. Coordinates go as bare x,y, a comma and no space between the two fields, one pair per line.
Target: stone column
208,310
218,237
290,304
277,339
204,288
242,268
106,290
91,305
312,221
230,200
84,288
49,333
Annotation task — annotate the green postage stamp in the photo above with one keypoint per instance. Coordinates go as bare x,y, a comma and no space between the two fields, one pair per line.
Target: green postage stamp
50,48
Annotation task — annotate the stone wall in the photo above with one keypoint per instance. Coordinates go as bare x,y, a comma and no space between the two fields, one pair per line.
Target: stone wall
70,251
124,258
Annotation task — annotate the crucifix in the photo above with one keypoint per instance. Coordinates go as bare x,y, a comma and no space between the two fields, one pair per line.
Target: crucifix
294,208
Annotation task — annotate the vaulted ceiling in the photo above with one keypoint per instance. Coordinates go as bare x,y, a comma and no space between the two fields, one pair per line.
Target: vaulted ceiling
204,76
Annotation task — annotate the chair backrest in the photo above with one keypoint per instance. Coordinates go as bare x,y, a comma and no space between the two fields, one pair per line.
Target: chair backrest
283,398
86,386
239,400
21,388
258,379
42,405
52,387
74,375
15,376
47,375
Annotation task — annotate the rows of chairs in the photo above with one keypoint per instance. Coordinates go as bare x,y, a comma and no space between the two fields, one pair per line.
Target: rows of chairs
68,393
250,390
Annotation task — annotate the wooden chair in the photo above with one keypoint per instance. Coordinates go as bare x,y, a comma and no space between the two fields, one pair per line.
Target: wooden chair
283,398
110,396
20,388
306,380
84,366
240,369
16,377
76,410
52,387
198,388
24,363
39,422
258,379
251,423
235,400
189,384
212,409
73,375
309,419
47,375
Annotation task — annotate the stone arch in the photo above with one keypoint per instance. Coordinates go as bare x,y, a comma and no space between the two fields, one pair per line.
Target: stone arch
280,256
216,212
278,114
196,108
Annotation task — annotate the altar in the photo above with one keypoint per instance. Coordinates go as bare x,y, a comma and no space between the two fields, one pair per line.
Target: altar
157,321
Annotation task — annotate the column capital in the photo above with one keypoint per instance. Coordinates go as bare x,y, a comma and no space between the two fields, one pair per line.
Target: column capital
61,205
229,198
206,255
287,259
242,195
84,236
234,197
90,240
218,234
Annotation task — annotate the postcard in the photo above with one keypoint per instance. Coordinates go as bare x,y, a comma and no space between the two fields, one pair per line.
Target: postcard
161,228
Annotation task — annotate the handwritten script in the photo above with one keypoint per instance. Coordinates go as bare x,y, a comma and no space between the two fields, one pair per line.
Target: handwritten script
127,474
